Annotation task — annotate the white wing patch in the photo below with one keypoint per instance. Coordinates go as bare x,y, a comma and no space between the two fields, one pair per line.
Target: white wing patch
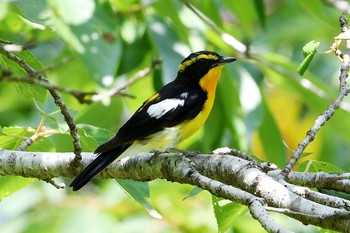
160,109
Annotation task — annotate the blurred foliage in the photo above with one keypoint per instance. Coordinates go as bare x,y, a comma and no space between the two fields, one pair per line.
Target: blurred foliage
263,105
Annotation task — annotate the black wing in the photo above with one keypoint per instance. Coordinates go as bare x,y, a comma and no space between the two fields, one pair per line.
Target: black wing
141,124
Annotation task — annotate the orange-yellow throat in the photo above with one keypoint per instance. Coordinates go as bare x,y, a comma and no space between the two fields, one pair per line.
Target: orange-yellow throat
208,84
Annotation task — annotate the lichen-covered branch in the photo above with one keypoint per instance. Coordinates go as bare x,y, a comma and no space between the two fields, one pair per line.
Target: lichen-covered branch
223,175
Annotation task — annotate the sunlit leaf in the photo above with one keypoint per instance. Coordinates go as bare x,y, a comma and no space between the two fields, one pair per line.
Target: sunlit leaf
139,191
59,121
27,90
12,137
83,25
99,135
309,51
3,9
310,48
12,184
88,143
245,11
226,212
318,166
35,11
165,39
193,192
43,144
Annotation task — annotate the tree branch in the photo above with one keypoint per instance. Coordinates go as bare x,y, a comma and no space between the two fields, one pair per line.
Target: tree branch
35,77
223,175
329,112
79,95
118,88
337,182
57,99
82,96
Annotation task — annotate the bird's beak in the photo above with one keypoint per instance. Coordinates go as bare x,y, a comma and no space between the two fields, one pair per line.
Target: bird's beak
225,60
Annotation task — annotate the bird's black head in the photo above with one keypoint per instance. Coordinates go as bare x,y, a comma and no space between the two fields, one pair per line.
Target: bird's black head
198,64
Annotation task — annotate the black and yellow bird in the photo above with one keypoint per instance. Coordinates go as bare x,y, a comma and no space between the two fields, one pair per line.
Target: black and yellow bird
168,117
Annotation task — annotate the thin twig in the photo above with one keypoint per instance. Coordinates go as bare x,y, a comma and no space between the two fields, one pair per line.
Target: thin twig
57,99
79,95
321,198
229,39
55,65
327,114
258,211
55,184
117,90
30,140
25,144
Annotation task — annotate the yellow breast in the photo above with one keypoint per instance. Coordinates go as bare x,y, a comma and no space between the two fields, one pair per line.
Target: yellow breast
208,83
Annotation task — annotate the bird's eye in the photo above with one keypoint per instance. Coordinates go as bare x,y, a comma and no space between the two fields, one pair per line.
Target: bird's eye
202,62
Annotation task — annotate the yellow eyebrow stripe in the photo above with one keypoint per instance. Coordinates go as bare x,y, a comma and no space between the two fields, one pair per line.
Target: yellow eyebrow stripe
187,63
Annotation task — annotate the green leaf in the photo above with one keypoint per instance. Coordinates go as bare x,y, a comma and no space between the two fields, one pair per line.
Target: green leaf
305,154
305,64
139,191
318,166
210,9
312,7
226,212
32,91
75,13
27,90
43,144
166,10
3,9
309,51
260,10
12,184
165,40
157,79
84,26
136,42
245,13
271,139
88,142
12,137
34,11
56,117
100,135
59,122
335,193
310,48
193,192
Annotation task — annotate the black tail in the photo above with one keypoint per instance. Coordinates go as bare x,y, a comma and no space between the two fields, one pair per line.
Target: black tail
96,166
